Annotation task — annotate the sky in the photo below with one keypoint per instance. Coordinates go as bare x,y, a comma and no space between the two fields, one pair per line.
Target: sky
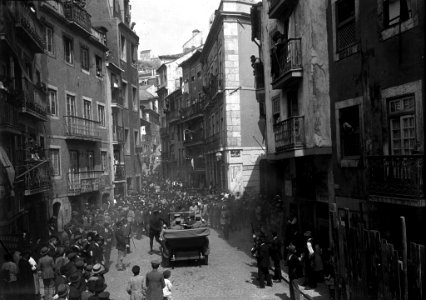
165,25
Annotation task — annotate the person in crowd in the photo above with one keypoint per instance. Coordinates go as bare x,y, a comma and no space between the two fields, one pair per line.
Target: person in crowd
198,222
177,225
263,262
155,226
167,290
136,285
318,264
294,266
9,277
276,256
25,278
46,266
121,245
63,292
308,261
154,282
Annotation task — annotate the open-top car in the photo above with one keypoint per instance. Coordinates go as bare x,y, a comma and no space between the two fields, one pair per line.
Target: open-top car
185,244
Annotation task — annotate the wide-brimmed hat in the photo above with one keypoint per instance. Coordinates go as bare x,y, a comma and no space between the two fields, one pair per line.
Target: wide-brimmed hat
63,290
44,251
98,268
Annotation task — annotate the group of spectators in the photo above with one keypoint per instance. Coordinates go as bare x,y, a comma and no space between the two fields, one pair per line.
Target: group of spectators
71,264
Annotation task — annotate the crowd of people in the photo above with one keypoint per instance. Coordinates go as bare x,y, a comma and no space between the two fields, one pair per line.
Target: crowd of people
72,263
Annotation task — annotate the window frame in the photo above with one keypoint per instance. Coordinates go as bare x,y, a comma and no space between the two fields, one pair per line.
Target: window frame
53,149
101,116
123,48
51,89
71,54
85,68
46,29
98,67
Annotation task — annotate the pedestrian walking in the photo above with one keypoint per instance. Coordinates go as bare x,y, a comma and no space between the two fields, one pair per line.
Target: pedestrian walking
155,226
263,263
293,263
136,285
121,246
308,260
25,277
155,282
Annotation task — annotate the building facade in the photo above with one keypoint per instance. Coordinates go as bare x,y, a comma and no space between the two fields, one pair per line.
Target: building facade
233,140
292,81
114,18
25,169
78,133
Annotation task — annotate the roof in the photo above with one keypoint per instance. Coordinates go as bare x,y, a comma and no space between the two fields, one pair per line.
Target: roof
145,95
170,56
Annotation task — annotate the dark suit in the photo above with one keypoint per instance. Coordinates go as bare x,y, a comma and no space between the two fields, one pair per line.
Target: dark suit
263,263
47,265
276,257
154,284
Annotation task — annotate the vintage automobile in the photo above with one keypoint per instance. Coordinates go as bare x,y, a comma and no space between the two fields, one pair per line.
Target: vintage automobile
185,244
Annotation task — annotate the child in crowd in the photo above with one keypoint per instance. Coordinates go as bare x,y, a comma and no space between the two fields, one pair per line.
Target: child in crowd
167,290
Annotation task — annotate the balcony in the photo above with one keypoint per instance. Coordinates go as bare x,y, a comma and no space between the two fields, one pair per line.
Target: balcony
99,36
173,115
286,61
280,8
8,114
29,27
289,134
84,182
213,141
193,138
77,128
396,178
35,176
194,111
117,134
32,101
119,172
77,16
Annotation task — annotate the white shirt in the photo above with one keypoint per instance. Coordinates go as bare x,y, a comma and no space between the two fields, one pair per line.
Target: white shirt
167,290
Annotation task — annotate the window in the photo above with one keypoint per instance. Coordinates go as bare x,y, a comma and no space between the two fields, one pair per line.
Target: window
126,142
135,98
104,161
74,161
52,104
136,139
402,123
55,161
87,109
71,108
99,70
292,103
124,94
90,160
85,63
396,11
123,45
276,109
101,115
212,124
49,40
350,135
345,24
68,50
134,54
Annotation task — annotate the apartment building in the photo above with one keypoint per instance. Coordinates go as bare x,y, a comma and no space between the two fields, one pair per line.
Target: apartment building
292,88
77,106
113,17
25,169
233,141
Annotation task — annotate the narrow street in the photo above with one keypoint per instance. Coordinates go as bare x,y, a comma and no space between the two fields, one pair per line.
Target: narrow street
231,273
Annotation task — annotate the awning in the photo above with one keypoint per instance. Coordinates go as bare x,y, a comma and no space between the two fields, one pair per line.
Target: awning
7,164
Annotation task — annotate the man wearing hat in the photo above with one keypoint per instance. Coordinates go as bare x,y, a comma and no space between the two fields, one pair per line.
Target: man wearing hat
77,285
63,291
155,282
198,223
175,216
178,224
308,257
293,263
121,243
46,265
155,226
70,266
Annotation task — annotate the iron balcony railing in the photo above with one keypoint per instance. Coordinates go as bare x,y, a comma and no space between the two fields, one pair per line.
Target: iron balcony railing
29,25
99,36
193,137
84,181
35,176
195,109
119,172
32,100
78,15
396,175
81,128
286,57
289,134
117,134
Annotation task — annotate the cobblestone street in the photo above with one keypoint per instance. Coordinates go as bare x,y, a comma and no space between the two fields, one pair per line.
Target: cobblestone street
231,273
